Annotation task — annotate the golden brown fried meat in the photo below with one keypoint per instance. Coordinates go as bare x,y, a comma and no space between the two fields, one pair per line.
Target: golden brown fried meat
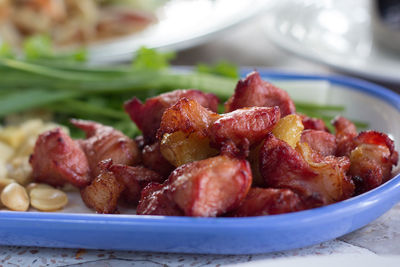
103,193
210,187
104,142
318,180
346,131
134,180
57,160
205,188
147,116
187,116
254,92
321,142
268,201
232,132
155,200
372,160
236,131
154,160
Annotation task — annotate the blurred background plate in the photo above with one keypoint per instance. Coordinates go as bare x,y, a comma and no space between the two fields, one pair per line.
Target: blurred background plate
182,24
335,33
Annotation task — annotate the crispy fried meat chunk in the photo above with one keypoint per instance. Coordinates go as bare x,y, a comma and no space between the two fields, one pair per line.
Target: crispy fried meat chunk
187,116
313,123
103,193
254,92
155,200
318,180
57,159
321,142
134,179
104,142
232,132
210,187
147,116
205,188
154,160
346,131
236,131
372,154
372,160
268,201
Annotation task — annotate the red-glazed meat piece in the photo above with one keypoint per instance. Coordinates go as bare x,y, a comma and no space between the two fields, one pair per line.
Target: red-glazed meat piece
318,180
210,187
232,132
345,133
187,116
268,201
155,200
205,188
134,179
103,193
321,142
57,160
372,160
254,92
313,123
147,116
236,131
154,160
104,142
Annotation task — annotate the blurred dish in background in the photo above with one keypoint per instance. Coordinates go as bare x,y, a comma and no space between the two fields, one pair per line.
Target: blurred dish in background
181,24
115,29
74,22
336,33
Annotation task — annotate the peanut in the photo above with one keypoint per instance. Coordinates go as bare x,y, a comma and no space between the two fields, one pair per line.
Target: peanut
48,199
14,197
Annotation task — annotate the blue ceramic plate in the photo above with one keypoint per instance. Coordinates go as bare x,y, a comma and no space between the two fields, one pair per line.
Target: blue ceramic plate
364,101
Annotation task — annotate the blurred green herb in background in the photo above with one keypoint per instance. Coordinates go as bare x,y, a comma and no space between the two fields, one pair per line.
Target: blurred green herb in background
68,87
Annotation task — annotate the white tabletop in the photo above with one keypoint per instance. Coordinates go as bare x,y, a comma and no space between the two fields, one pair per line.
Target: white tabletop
377,244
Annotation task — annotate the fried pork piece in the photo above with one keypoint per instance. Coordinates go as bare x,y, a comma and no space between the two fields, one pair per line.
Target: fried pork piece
57,160
134,180
254,92
187,116
346,131
147,116
321,142
154,160
318,180
155,200
268,201
236,131
104,142
205,188
210,187
313,123
232,132
103,193
372,160
184,132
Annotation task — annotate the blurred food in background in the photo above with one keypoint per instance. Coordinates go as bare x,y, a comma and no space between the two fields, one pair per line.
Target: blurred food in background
385,18
71,22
